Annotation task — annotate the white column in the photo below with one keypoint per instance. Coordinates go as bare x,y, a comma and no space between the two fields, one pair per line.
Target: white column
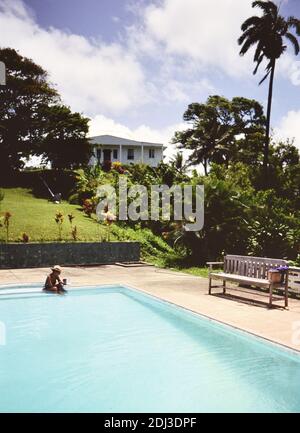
142,153
120,156
2,74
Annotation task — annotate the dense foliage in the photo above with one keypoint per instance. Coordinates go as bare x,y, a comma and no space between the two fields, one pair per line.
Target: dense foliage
240,216
223,131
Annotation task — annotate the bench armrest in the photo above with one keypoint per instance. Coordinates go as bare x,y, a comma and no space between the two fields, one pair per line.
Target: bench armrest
212,264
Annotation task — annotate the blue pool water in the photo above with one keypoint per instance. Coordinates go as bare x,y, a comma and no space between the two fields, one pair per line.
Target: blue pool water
116,350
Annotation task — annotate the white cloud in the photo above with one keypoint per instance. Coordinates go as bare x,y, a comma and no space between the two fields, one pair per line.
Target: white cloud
204,33
289,67
289,127
103,125
178,91
16,8
92,76
203,30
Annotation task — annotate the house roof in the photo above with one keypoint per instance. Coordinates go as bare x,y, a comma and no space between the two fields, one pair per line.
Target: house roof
112,140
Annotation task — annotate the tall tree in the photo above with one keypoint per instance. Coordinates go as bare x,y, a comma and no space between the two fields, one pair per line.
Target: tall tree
268,33
26,89
31,112
64,144
222,131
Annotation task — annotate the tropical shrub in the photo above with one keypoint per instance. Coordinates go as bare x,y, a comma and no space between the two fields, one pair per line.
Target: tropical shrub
107,166
87,182
273,227
89,207
117,166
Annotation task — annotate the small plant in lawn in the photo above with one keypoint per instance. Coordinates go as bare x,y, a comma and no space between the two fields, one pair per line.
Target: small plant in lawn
59,219
71,217
74,233
25,238
5,221
109,218
1,197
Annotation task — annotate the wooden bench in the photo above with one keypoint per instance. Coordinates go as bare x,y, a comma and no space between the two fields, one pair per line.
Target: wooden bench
250,271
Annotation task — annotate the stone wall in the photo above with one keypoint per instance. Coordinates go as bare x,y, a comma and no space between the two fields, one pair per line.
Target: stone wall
37,255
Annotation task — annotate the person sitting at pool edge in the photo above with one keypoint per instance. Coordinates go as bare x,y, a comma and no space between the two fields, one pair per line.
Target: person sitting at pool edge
53,281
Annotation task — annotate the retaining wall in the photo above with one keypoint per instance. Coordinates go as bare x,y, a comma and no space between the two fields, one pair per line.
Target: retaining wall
37,255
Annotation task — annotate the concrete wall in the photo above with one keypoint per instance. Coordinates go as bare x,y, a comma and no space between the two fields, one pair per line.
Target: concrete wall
80,253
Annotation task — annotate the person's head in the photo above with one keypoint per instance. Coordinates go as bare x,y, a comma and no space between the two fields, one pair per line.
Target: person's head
56,270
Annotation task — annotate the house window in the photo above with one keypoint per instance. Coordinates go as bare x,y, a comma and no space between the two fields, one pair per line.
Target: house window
115,154
98,155
151,153
130,154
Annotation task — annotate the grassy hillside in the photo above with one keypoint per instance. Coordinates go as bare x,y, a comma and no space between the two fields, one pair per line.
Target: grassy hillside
36,217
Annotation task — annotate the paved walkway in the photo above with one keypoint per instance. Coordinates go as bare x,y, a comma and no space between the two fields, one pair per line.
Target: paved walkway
277,324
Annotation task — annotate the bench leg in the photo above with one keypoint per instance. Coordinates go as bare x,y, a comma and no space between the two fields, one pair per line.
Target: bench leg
271,295
224,287
209,286
286,290
286,296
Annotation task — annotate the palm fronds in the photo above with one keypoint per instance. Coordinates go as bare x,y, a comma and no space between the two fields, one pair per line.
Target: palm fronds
267,32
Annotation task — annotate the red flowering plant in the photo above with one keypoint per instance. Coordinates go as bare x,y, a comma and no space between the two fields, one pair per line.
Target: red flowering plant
89,207
117,166
59,219
71,217
74,231
106,166
25,238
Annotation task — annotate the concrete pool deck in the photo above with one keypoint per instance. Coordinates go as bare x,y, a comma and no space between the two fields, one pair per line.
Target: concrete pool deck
278,325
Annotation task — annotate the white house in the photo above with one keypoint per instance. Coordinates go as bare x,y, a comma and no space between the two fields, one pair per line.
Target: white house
110,148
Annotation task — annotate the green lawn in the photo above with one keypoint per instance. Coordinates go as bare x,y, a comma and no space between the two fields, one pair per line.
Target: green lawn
36,217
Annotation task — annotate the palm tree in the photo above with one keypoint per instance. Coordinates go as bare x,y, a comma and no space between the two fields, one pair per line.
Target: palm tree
178,162
267,32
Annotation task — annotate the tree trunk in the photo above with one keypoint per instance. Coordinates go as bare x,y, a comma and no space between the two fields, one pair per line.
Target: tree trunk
205,167
267,142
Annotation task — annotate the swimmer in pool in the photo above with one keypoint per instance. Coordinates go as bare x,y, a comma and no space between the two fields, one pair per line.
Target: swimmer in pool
53,281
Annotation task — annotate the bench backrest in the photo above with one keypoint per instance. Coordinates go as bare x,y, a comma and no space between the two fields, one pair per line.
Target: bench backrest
256,267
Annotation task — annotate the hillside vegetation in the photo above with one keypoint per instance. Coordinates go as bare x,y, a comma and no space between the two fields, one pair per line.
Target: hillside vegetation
36,218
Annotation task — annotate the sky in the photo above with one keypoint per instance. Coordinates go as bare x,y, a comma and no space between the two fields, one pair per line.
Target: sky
133,66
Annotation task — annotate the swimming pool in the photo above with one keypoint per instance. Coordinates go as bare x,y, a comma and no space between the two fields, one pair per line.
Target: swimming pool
115,349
